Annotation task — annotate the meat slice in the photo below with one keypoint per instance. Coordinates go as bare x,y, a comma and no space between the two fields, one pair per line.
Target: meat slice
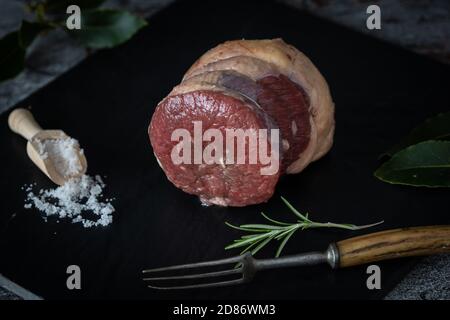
244,84
216,108
283,100
288,104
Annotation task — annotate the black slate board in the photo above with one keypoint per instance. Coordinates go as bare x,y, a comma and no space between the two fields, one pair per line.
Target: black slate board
106,102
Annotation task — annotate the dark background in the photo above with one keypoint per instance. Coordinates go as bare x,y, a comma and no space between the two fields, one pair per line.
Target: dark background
378,106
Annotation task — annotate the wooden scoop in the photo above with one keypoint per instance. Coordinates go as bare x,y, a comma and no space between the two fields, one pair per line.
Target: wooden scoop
22,122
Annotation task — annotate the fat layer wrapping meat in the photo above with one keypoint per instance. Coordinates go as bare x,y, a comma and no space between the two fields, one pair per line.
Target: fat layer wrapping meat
246,84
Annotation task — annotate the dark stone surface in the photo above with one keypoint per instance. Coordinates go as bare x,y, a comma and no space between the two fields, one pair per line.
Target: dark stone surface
7,295
429,280
422,26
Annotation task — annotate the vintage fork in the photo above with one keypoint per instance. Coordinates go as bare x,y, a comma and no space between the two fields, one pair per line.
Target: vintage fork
359,250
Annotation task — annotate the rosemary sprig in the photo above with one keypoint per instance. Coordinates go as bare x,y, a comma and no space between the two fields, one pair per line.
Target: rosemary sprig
261,234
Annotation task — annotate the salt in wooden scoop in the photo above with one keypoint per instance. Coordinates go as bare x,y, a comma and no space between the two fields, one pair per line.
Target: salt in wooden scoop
53,151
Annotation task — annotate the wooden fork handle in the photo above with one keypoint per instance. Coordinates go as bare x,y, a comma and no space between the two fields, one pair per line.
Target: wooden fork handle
22,122
396,243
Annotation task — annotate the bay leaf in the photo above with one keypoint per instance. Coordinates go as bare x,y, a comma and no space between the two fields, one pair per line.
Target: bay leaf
434,128
424,164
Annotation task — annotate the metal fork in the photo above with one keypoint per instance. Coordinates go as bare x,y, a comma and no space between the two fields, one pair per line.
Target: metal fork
377,246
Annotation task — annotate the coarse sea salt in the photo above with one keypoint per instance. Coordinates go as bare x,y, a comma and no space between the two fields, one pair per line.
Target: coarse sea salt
79,199
63,153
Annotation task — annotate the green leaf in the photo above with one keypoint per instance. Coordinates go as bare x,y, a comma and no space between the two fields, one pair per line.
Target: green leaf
60,6
29,31
267,227
246,241
282,234
295,211
107,28
12,56
274,221
435,128
261,245
250,247
13,48
283,243
425,164
240,228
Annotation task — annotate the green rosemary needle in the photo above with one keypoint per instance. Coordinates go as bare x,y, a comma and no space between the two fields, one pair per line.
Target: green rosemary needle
261,234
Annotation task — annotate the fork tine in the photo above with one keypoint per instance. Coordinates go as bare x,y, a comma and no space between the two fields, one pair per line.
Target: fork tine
196,265
203,285
196,276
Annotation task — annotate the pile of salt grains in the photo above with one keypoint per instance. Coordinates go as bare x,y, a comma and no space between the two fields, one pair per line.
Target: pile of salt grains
79,199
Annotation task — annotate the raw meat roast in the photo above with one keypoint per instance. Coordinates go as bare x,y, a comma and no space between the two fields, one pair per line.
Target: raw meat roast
248,85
